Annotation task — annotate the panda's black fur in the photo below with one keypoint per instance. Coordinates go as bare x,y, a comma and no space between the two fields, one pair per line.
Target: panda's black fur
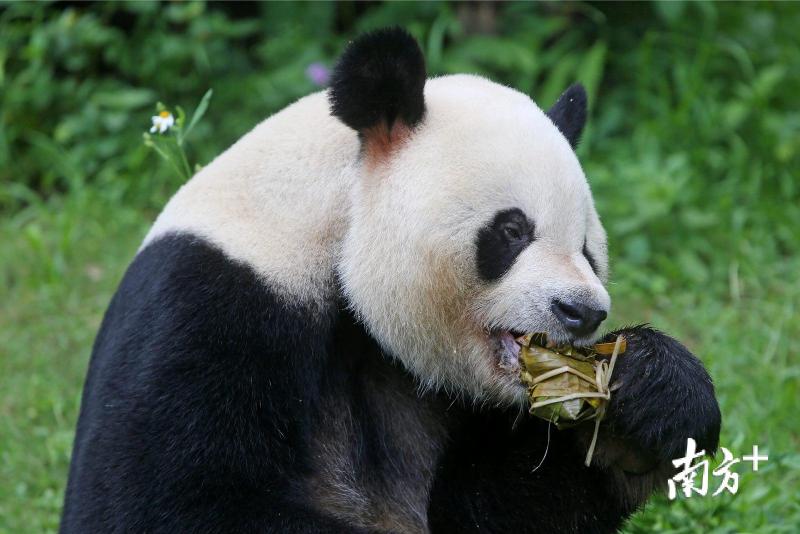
569,113
380,80
212,404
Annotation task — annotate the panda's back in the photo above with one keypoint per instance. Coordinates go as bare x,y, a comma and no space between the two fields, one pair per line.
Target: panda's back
276,200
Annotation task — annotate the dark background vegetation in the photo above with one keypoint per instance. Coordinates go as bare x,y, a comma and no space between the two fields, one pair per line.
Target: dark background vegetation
693,153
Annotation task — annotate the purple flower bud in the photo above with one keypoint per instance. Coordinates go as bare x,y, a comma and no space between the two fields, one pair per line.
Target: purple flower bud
319,74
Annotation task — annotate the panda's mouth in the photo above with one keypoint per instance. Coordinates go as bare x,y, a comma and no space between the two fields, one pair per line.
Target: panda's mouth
507,348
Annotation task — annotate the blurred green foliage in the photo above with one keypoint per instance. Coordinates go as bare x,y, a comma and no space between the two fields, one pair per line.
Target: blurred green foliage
693,152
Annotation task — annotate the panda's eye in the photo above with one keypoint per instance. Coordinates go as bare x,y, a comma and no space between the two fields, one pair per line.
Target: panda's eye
512,232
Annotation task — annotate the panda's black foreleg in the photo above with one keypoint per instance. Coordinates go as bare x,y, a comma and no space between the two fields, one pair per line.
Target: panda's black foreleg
527,479
531,478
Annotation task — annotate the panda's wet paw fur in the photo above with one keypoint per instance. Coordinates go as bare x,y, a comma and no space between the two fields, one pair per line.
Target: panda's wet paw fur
661,396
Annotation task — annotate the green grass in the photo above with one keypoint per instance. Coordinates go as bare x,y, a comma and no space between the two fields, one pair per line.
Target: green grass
61,262
693,153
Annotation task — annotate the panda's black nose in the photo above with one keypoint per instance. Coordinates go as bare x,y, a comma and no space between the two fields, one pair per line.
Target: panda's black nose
578,319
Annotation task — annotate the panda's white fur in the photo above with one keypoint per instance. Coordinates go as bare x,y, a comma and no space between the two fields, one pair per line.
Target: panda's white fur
298,202
275,200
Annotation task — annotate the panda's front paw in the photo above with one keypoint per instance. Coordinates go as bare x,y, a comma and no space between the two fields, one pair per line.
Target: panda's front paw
661,395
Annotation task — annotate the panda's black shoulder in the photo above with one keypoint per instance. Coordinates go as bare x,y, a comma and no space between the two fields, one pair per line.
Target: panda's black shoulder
186,312
186,298
200,377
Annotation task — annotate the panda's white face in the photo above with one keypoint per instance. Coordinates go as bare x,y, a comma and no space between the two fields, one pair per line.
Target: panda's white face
479,226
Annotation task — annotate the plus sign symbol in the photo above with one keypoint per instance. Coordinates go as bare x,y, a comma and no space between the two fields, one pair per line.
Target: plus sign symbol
755,458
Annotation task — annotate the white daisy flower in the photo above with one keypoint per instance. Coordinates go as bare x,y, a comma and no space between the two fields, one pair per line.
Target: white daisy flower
162,122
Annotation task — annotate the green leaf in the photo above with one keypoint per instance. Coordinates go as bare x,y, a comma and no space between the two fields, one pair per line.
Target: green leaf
167,147
197,115
121,98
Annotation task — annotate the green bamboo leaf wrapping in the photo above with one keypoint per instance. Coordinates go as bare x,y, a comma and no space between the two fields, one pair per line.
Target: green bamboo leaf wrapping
555,375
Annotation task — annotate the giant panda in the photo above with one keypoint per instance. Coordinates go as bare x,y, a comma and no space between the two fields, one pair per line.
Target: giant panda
317,334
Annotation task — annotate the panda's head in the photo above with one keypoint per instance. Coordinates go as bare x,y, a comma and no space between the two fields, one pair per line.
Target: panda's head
471,221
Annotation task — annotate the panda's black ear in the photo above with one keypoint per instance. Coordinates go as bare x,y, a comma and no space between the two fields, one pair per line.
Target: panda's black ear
378,82
569,113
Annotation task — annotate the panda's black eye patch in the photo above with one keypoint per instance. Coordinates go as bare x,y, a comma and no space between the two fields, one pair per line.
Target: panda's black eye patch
589,258
501,241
